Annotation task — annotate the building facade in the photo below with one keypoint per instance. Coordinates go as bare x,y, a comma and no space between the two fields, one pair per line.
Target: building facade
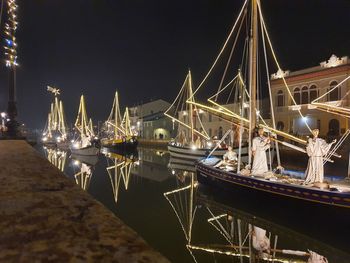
157,127
305,86
149,121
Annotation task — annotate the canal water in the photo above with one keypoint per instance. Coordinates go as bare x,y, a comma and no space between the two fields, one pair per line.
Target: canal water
188,222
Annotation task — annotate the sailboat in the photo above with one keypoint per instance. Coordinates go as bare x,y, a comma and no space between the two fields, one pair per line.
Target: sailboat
275,182
55,132
119,135
235,235
83,144
192,142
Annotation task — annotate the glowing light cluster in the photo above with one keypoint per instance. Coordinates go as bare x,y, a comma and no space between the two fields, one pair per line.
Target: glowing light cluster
10,38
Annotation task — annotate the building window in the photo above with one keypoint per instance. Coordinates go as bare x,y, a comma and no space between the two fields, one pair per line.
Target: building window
334,94
296,95
210,117
210,133
280,98
313,93
305,95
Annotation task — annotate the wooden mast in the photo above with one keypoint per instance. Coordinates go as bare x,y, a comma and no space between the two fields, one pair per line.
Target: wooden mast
253,45
116,115
190,95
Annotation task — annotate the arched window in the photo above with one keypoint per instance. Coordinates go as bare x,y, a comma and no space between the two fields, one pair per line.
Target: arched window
280,98
296,95
280,126
304,95
313,93
334,95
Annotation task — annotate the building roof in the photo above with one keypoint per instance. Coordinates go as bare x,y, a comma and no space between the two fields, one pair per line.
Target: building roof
333,66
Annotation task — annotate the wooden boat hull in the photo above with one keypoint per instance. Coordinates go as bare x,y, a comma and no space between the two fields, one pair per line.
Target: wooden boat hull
210,175
192,155
88,151
127,144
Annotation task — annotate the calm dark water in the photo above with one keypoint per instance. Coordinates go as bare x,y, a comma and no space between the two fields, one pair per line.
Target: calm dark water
187,222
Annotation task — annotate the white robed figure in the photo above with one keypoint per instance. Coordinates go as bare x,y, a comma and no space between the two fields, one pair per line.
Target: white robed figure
259,146
316,149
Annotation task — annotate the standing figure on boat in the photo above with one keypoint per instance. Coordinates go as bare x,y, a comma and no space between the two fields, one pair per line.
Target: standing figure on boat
316,149
259,146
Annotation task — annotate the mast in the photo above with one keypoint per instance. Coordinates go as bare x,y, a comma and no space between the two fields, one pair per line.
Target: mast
116,115
62,120
127,127
253,45
190,95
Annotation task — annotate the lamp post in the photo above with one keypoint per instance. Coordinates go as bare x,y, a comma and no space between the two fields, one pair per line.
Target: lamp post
11,64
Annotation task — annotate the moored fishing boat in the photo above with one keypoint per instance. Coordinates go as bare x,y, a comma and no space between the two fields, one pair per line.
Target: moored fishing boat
55,132
118,133
83,145
279,185
192,142
268,182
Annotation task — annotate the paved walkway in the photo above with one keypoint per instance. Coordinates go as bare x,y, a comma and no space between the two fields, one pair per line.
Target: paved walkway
45,217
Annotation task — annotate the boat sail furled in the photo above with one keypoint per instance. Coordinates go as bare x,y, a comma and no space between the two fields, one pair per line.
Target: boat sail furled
118,132
192,141
255,70
55,131
83,144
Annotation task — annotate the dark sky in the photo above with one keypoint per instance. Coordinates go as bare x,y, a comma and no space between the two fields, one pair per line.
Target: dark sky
144,48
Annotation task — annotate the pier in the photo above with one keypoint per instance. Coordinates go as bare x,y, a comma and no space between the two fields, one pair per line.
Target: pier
45,216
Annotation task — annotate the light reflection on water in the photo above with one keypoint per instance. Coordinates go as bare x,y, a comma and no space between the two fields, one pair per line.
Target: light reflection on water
179,218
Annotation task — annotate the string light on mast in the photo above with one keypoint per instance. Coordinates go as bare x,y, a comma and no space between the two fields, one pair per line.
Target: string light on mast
10,38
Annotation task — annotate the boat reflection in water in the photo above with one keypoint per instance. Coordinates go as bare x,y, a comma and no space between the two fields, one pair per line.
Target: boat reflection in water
153,165
56,156
228,234
119,170
84,167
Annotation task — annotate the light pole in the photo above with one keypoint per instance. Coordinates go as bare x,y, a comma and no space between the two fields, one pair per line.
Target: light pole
11,64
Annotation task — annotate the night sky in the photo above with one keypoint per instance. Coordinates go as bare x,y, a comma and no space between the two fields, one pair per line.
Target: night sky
144,48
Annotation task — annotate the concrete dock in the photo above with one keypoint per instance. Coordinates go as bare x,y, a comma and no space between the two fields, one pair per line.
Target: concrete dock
46,217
